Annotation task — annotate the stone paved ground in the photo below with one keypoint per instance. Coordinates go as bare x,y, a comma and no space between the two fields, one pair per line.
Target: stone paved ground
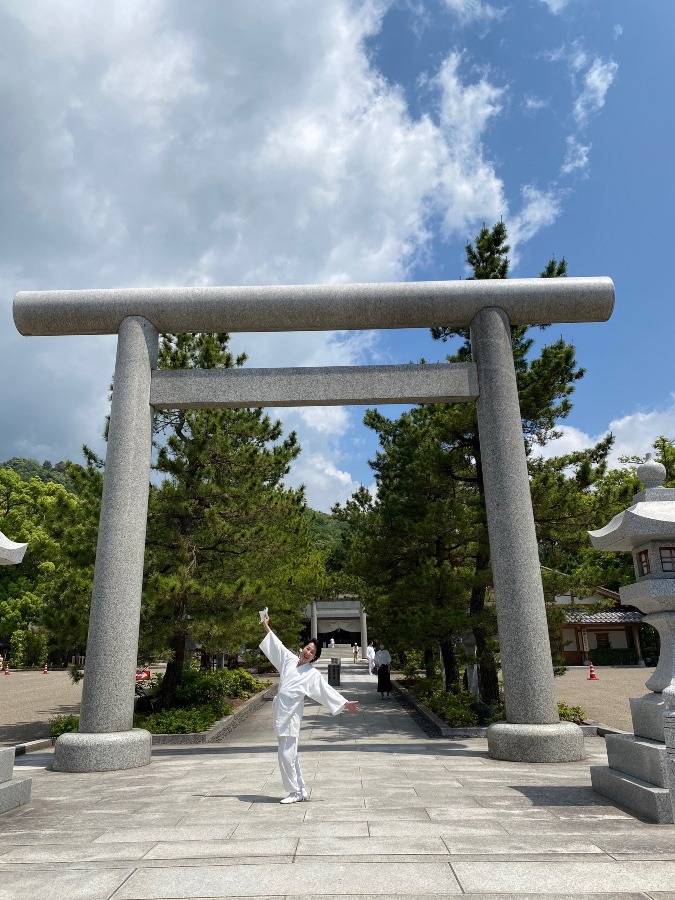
392,814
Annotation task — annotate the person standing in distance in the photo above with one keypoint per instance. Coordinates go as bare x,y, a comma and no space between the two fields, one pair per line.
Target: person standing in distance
370,654
382,661
297,679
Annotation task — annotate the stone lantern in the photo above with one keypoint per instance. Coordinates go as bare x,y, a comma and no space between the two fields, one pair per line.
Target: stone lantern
636,776
13,792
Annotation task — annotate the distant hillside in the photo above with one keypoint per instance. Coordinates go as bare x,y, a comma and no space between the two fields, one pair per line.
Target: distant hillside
328,531
31,468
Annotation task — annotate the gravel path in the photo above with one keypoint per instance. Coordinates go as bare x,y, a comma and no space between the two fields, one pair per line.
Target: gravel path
28,700
606,699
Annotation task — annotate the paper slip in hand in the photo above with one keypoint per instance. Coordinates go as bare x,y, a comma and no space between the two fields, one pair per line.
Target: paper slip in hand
263,613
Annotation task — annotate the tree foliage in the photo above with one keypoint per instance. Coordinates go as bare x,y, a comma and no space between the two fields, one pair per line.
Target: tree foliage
30,468
423,541
225,536
58,564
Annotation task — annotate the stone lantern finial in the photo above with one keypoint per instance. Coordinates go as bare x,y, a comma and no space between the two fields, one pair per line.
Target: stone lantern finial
651,473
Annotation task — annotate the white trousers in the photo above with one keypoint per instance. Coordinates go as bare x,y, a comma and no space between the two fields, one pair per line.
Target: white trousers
289,764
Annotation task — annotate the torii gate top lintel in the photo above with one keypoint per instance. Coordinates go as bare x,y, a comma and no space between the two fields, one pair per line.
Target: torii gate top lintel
325,307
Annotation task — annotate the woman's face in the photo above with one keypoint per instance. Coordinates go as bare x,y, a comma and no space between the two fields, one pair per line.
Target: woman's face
307,654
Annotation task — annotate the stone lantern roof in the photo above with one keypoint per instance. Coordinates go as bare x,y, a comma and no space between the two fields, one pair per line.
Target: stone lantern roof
11,553
650,518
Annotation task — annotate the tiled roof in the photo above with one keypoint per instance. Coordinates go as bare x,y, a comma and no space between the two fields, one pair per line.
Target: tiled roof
605,617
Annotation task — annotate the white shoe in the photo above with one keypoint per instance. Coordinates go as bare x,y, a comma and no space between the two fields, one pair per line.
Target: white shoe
292,798
304,795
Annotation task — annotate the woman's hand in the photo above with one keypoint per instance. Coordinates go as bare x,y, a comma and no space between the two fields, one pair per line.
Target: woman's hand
266,624
352,706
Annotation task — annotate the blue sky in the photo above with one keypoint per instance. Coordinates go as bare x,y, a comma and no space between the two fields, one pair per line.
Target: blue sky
167,143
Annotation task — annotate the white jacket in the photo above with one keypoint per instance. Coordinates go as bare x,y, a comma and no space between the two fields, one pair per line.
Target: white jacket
295,683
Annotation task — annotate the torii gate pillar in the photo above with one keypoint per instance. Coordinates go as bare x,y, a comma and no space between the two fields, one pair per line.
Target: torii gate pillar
532,732
106,739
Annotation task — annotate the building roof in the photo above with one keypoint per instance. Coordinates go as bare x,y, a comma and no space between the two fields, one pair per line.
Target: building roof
604,617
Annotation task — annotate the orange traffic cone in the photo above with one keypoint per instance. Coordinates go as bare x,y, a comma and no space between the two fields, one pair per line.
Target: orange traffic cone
45,671
591,672
6,672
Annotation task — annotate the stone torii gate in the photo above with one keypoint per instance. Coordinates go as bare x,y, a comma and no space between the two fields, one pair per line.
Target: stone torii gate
532,732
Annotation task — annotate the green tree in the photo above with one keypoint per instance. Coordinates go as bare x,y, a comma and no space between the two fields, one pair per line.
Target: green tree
28,513
225,536
67,598
30,468
449,457
52,586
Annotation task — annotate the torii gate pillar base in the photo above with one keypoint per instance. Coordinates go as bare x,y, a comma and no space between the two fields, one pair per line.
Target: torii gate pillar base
560,742
102,751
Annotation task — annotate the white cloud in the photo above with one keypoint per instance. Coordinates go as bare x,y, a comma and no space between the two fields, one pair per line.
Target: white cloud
532,103
467,181
555,6
576,156
596,82
171,143
634,434
596,76
326,419
474,10
325,484
540,210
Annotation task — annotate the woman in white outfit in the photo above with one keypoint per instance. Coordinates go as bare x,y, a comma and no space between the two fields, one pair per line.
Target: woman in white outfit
297,679
383,661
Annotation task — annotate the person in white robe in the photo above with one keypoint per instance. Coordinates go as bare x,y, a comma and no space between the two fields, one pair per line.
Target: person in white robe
297,679
370,655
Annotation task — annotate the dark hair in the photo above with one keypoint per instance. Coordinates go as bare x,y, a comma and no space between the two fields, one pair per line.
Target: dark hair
317,648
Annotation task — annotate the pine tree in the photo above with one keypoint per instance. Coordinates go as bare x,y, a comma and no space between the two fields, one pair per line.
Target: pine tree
450,457
225,536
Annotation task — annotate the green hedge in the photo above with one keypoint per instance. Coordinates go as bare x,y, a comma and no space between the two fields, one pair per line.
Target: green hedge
461,710
182,721
621,656
203,697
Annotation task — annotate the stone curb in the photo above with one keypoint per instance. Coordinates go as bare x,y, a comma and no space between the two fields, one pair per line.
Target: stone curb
32,746
445,731
217,730
222,726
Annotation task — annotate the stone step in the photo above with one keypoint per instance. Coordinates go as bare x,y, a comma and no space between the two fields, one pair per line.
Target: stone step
14,793
638,756
638,796
6,764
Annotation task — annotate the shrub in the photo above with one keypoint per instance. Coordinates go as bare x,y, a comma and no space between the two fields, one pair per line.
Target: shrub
427,687
412,664
182,721
75,673
62,724
571,713
460,710
202,687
